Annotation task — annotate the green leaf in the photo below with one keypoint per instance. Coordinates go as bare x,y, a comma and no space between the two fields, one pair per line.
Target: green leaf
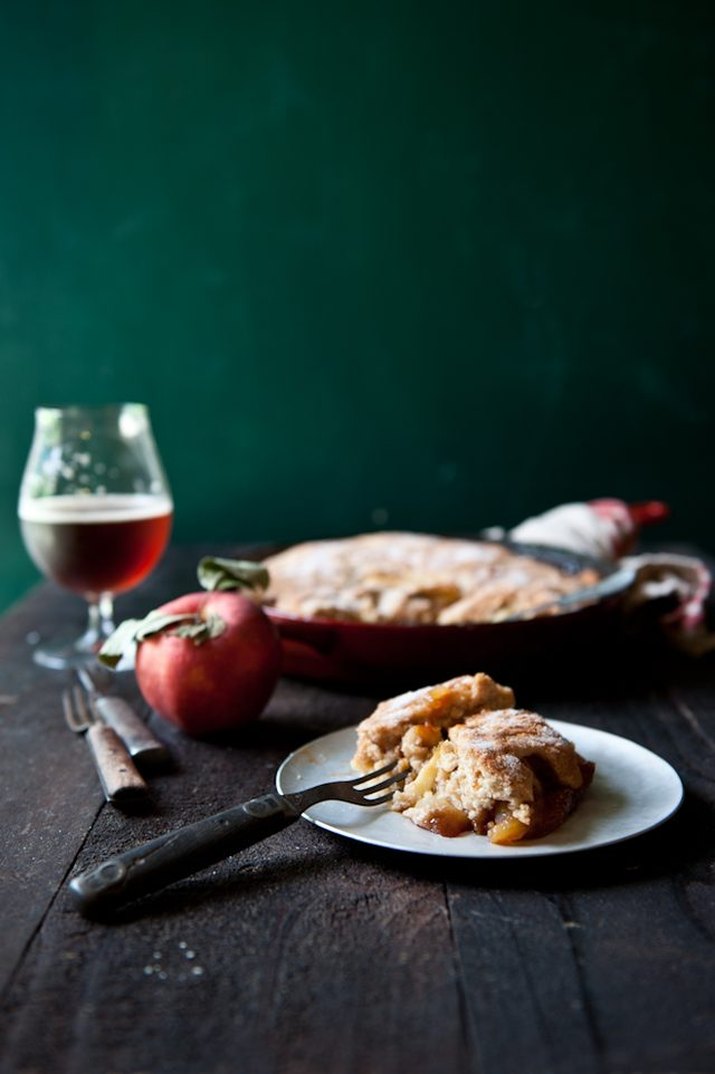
224,574
118,642
201,630
133,631
155,621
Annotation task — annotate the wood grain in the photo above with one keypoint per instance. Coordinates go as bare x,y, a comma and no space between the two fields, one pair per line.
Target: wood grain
308,952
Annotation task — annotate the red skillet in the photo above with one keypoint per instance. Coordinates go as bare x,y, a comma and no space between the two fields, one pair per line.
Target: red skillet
362,654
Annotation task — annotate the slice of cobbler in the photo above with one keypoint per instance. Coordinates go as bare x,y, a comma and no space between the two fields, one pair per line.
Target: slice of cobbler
476,762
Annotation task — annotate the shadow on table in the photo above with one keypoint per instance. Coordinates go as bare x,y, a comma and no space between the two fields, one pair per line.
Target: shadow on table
677,846
248,876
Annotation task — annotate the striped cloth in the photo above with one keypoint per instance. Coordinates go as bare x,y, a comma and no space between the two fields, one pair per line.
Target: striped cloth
609,529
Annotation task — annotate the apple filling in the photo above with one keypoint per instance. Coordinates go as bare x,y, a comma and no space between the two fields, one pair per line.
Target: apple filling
501,772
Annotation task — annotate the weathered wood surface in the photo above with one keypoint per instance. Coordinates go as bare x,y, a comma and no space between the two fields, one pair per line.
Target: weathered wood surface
311,953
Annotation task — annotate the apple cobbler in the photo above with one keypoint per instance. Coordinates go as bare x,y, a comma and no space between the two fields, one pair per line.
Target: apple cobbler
414,578
476,763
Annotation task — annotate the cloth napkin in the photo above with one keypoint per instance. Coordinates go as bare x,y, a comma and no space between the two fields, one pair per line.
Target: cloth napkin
675,587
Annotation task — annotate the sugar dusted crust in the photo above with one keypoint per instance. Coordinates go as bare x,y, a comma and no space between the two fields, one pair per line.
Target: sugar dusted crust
380,735
413,578
476,763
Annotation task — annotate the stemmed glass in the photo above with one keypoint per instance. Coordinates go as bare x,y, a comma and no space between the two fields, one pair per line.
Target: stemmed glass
95,511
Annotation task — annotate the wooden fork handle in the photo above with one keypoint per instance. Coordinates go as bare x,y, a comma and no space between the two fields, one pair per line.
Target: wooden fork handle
180,853
117,772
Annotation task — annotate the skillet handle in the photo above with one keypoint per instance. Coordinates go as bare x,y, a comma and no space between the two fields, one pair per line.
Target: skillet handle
177,854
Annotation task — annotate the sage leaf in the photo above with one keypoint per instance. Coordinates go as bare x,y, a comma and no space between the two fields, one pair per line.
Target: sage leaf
201,630
118,642
183,625
155,622
216,573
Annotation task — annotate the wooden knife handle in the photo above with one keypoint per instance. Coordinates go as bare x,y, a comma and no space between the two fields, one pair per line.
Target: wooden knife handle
117,772
143,746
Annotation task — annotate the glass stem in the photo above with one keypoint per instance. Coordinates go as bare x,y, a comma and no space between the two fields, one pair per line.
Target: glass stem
100,621
106,614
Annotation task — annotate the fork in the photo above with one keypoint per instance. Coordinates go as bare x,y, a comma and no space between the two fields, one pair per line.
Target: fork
143,746
185,851
120,779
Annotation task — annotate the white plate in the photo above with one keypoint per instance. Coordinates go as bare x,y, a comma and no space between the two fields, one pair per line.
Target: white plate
633,791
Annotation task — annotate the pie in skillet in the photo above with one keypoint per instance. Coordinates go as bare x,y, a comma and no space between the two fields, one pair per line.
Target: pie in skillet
413,578
476,763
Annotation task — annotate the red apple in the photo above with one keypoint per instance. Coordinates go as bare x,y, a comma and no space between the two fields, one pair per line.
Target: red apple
206,661
213,667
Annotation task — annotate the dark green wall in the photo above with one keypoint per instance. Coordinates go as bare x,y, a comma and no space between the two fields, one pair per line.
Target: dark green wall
432,265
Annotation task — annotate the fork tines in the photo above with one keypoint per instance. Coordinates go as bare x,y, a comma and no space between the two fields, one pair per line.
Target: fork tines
367,788
118,775
77,716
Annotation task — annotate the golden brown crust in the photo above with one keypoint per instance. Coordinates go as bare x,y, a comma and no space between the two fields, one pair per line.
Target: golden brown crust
413,578
380,735
476,762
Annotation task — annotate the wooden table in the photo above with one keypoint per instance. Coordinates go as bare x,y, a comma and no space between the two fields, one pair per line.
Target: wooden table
309,952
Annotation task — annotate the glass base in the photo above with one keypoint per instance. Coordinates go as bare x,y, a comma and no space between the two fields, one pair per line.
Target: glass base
67,654
75,652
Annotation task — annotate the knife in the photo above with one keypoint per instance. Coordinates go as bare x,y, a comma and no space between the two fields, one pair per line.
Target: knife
144,747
